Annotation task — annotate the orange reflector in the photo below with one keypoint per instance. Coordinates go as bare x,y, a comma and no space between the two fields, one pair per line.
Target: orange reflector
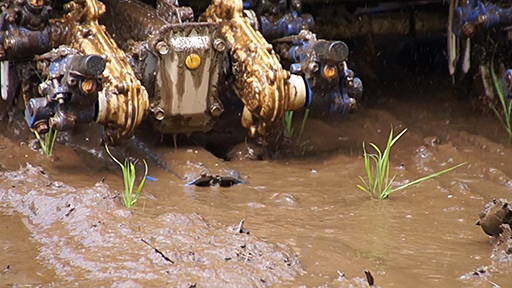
89,86
37,3
330,72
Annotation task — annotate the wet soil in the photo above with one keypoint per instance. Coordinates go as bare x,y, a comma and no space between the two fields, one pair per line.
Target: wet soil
306,223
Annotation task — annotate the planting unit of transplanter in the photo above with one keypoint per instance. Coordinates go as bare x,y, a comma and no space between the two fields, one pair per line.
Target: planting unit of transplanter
118,63
121,62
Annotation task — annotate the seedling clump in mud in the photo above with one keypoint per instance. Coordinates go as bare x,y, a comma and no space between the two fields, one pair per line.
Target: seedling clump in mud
379,184
505,103
128,170
48,142
287,123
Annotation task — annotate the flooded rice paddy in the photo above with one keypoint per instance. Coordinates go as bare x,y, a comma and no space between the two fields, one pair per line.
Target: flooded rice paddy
305,222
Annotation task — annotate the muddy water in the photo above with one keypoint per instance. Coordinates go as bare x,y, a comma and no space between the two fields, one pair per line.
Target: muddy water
420,237
308,222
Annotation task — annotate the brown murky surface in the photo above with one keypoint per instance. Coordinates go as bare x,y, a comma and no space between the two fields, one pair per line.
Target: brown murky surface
308,222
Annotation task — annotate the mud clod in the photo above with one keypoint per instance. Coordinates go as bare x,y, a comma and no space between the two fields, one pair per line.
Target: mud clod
496,213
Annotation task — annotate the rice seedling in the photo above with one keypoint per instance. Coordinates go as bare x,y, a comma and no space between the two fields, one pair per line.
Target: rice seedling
379,184
48,142
287,122
506,104
304,119
129,175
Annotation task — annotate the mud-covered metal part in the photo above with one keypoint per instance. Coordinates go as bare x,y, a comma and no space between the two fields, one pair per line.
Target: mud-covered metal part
140,22
171,12
187,77
266,89
205,180
8,80
23,29
478,17
351,89
506,84
180,63
468,20
135,21
496,213
27,30
479,36
70,93
31,14
123,101
277,19
452,39
323,65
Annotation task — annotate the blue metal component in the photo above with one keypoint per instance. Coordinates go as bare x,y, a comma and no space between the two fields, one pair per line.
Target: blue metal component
277,20
24,43
248,5
289,24
329,83
476,16
322,63
308,95
66,98
43,111
506,84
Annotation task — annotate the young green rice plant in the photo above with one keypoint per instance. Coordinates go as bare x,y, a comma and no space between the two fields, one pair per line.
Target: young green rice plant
287,122
378,183
506,105
48,142
304,119
129,175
